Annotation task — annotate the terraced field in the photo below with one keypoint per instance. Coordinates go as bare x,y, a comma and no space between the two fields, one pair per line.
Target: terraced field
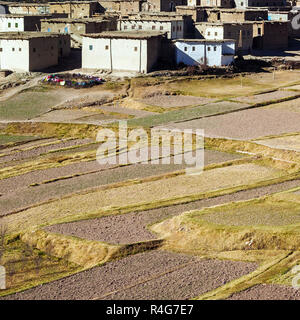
77,229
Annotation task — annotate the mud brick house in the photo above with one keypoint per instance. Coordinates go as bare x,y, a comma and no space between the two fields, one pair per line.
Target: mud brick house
241,32
236,15
188,24
197,14
173,26
12,23
243,4
293,20
28,8
136,51
270,35
122,6
211,3
76,27
31,51
204,52
163,5
75,9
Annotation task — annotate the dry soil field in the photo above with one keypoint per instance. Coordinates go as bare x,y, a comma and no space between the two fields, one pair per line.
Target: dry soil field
76,229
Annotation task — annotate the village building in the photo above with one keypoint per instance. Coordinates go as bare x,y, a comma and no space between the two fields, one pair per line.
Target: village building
136,51
76,27
28,8
162,5
204,52
205,14
211,3
75,9
135,6
236,15
173,27
243,4
122,6
270,35
241,32
31,51
15,22
196,13
188,24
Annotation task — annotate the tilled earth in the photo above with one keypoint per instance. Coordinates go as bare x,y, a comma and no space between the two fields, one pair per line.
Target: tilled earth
267,292
150,275
132,227
16,192
20,154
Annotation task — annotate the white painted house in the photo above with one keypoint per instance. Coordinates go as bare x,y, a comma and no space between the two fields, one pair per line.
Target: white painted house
31,51
119,50
173,26
204,52
20,23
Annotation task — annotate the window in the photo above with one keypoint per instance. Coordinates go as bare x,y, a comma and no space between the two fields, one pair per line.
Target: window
49,29
208,33
242,4
216,33
125,27
16,25
185,48
208,48
193,48
90,47
13,49
20,49
140,27
215,48
106,47
153,27
161,28
133,26
135,49
259,31
1,49
9,25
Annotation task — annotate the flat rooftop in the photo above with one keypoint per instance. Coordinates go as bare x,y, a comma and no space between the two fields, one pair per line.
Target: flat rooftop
27,35
24,15
204,40
161,19
78,20
126,35
224,23
72,2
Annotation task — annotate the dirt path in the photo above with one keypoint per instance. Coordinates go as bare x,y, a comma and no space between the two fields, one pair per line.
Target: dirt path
149,275
13,91
132,227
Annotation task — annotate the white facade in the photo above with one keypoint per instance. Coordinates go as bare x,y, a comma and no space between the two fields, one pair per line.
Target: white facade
11,24
31,51
134,53
214,33
174,28
210,53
